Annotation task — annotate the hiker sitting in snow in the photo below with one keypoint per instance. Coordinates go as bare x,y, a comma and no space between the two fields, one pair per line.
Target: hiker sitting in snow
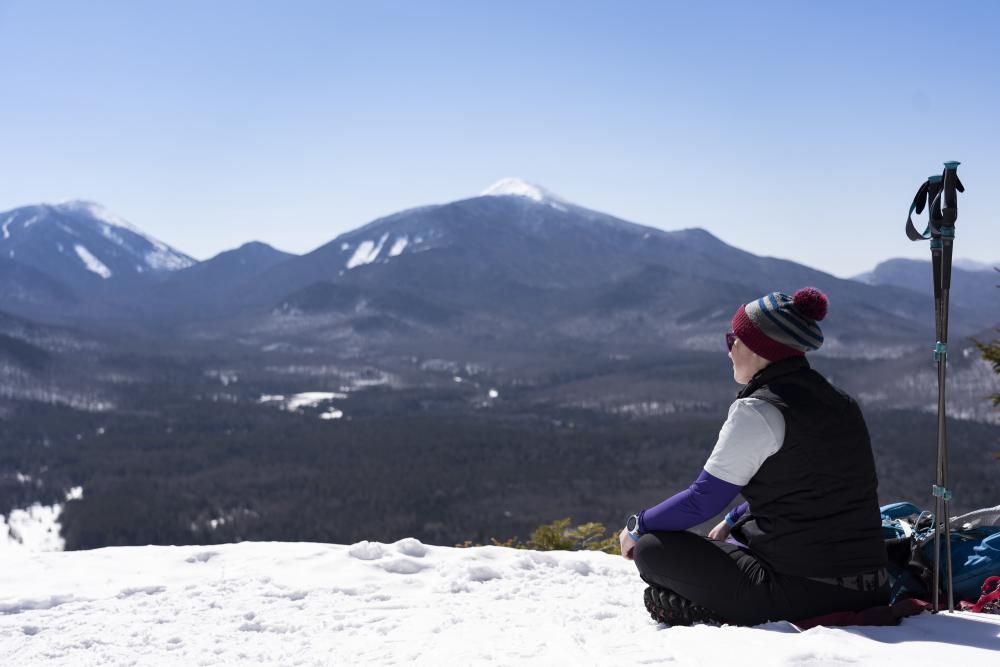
798,450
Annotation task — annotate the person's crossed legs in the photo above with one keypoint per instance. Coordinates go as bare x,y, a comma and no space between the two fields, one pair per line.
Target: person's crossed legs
731,581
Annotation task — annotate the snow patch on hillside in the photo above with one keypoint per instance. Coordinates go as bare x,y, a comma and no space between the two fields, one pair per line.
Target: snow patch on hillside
332,413
162,258
361,254
36,528
92,263
109,234
398,246
366,252
309,399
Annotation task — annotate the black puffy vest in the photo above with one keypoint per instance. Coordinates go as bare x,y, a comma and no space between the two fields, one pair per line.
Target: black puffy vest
813,504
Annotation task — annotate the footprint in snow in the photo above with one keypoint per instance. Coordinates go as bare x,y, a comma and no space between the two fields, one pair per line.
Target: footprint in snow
578,566
202,557
483,573
403,566
148,590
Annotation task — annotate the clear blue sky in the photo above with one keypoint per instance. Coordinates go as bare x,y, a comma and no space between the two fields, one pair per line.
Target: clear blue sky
797,130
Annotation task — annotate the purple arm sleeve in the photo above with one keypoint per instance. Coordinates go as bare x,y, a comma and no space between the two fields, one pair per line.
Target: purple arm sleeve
706,497
737,512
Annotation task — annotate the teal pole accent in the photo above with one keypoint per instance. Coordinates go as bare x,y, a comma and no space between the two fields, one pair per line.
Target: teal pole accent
941,492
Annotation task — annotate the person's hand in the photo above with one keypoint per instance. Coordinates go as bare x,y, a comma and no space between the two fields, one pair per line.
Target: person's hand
627,543
720,532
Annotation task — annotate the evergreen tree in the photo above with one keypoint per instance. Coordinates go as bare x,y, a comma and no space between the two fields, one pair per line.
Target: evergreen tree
991,353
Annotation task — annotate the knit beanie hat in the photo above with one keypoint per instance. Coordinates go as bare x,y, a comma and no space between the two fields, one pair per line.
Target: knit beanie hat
777,326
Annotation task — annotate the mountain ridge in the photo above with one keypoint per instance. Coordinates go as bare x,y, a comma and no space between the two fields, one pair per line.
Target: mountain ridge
507,259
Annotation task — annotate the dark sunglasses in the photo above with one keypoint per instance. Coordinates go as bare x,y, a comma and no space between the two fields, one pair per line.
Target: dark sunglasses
730,340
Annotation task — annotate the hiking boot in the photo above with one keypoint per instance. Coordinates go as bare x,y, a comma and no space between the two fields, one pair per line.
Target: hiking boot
665,606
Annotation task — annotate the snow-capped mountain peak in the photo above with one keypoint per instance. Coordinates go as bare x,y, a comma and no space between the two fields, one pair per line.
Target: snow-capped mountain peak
517,187
157,257
98,212
78,240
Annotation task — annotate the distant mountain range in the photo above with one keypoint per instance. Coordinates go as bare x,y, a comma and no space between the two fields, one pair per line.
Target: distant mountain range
515,265
972,265
974,287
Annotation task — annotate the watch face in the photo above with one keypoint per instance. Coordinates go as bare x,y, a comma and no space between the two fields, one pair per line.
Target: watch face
632,523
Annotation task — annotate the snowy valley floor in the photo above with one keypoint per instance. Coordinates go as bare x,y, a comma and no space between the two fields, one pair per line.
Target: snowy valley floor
277,603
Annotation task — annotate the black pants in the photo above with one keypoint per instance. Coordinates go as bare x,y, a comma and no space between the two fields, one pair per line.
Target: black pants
731,581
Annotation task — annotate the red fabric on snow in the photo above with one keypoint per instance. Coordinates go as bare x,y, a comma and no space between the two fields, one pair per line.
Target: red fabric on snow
882,615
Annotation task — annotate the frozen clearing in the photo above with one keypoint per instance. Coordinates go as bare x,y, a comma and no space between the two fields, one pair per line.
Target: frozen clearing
302,603
309,399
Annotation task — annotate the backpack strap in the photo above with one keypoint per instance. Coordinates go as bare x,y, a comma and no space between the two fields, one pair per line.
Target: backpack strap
991,594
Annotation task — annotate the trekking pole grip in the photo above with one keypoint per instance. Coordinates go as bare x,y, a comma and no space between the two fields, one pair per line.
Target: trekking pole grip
950,187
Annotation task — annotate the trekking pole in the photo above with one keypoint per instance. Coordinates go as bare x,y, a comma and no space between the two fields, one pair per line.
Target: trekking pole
934,220
948,214
941,232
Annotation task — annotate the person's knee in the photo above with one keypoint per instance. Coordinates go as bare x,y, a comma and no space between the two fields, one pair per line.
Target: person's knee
653,550
665,551
646,545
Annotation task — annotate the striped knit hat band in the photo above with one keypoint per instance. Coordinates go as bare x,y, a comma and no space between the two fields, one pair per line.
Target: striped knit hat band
777,326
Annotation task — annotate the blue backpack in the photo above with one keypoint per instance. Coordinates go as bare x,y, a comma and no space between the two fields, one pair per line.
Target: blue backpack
909,536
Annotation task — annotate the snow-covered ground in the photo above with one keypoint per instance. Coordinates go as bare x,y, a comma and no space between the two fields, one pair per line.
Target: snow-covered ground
301,603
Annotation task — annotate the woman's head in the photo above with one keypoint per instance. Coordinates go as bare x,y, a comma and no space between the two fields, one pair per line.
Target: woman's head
745,361
775,327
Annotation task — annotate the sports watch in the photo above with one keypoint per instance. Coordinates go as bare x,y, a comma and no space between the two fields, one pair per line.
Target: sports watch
632,526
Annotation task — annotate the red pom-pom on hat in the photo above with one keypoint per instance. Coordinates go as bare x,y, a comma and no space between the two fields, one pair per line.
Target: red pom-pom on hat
810,302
